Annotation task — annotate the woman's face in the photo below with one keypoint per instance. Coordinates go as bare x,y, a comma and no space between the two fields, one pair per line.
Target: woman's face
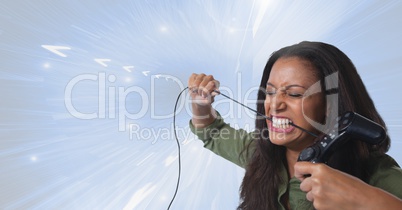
288,100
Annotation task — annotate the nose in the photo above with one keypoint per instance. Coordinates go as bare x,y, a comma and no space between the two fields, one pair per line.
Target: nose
276,102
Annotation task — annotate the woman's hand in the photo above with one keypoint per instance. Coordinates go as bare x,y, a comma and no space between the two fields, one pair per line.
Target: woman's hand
329,188
201,88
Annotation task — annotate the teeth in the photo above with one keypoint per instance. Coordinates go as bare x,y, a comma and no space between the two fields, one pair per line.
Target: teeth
281,122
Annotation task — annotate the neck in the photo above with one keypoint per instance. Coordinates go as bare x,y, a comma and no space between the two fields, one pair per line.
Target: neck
291,157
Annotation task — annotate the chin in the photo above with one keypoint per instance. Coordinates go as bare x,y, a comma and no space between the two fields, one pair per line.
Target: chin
279,139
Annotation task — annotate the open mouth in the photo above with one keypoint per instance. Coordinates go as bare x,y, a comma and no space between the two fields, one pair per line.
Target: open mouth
280,124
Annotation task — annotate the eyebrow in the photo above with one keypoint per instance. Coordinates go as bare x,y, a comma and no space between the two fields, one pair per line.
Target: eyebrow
288,86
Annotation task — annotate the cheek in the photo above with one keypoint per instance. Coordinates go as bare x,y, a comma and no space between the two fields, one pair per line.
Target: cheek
267,103
314,108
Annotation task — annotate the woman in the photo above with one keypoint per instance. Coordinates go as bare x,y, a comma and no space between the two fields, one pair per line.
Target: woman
308,84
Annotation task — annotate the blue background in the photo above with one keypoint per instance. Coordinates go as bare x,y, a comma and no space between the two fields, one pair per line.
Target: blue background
50,159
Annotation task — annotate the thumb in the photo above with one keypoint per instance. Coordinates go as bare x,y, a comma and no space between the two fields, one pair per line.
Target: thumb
302,169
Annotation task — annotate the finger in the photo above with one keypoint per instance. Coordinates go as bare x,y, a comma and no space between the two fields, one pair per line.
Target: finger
190,81
208,91
216,90
206,86
194,81
310,196
211,86
217,84
306,185
197,81
302,169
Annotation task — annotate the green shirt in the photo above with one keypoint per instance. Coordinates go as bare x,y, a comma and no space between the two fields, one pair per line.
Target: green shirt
230,144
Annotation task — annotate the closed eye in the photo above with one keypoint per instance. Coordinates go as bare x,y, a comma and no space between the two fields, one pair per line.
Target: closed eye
295,95
269,92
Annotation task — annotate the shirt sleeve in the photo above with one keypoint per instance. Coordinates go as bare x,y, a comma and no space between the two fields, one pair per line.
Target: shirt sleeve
387,176
234,145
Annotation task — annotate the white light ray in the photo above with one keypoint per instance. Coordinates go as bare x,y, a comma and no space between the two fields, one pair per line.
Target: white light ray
56,49
102,61
139,196
128,68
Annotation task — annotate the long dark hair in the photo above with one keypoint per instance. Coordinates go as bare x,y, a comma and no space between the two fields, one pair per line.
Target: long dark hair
264,173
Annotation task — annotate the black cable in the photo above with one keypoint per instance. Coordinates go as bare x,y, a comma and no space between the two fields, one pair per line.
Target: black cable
178,146
263,115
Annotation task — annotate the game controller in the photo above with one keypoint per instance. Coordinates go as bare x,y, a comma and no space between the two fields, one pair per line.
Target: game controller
347,126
